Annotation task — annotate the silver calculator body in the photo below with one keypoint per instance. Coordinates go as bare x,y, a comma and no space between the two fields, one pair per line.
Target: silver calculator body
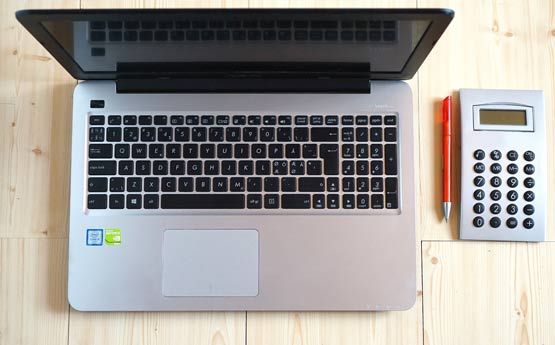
503,165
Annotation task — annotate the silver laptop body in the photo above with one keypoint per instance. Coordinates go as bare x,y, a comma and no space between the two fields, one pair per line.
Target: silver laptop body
256,198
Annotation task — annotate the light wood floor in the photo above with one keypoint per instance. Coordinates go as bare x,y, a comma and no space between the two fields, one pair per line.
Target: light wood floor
470,292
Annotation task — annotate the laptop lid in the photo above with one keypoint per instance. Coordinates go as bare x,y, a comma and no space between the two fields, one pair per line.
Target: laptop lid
238,43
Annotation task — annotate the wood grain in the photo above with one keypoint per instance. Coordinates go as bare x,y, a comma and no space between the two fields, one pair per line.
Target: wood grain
510,44
33,302
488,293
36,158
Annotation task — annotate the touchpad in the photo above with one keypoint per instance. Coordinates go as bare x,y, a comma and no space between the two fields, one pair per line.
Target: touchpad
210,263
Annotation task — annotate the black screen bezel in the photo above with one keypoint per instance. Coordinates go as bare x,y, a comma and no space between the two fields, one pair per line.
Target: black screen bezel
32,19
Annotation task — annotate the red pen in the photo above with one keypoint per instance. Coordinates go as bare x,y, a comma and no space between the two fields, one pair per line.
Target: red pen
446,157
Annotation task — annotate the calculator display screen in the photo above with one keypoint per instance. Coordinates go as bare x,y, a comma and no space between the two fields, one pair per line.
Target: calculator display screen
503,117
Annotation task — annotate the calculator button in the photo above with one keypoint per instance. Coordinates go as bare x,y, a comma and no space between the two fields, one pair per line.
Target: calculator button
529,210
495,195
478,222
512,195
478,208
529,169
528,223
512,169
495,155
512,223
479,168
512,155
512,209
496,168
495,208
495,181
529,182
479,181
512,182
529,156
495,222
529,196
479,154
479,194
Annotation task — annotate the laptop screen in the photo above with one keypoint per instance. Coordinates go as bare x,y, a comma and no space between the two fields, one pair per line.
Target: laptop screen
135,42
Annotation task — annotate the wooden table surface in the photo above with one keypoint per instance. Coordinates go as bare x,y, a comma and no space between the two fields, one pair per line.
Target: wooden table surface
469,292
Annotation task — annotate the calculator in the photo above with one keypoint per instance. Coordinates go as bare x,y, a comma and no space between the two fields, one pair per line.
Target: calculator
503,165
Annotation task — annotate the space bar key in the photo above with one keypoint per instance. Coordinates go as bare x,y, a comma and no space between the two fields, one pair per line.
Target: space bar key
203,201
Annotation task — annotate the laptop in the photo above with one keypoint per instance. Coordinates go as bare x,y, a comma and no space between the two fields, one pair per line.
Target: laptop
241,159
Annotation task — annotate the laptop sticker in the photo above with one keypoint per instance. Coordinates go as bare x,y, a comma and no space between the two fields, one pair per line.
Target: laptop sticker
112,237
94,237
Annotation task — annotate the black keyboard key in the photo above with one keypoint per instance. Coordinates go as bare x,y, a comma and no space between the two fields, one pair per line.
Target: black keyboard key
211,167
347,120
310,151
391,159
348,151
376,168
130,36
263,167
348,184
390,120
239,120
134,184
279,167
296,167
332,120
362,151
169,184
275,151
333,184
185,184
173,151
376,151
241,151
145,36
254,201
97,36
102,167
376,134
390,134
125,167
246,167
151,201
152,184
314,167
348,201
301,134
207,151
97,201
134,201
292,151
254,120
295,201
271,201
216,134
333,201
202,184
148,134
330,154
391,200
117,184
160,167
258,151
177,167
233,134
318,201
190,151
224,151
325,134
348,167
363,185
165,134
348,134
219,184
96,120
376,120
237,184
96,134
363,201
199,134
192,120
271,184
377,201
222,120
301,120
113,134
288,184
138,151
312,184
100,151
97,184
362,133
156,151
229,167
117,201
267,134
130,120
250,134
131,134
284,134
362,167
361,120
254,184
194,167
114,120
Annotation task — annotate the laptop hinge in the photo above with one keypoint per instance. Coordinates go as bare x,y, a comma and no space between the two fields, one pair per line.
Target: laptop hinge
273,85
243,77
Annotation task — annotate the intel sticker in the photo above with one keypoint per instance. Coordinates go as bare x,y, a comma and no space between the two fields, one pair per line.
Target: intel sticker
94,237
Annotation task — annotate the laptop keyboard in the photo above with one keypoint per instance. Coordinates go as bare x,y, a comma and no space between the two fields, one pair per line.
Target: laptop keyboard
242,162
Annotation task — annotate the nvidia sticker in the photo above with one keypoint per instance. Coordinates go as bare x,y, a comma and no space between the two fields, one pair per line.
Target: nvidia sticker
112,237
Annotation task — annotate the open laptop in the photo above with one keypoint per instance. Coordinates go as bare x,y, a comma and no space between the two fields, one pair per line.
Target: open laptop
241,159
